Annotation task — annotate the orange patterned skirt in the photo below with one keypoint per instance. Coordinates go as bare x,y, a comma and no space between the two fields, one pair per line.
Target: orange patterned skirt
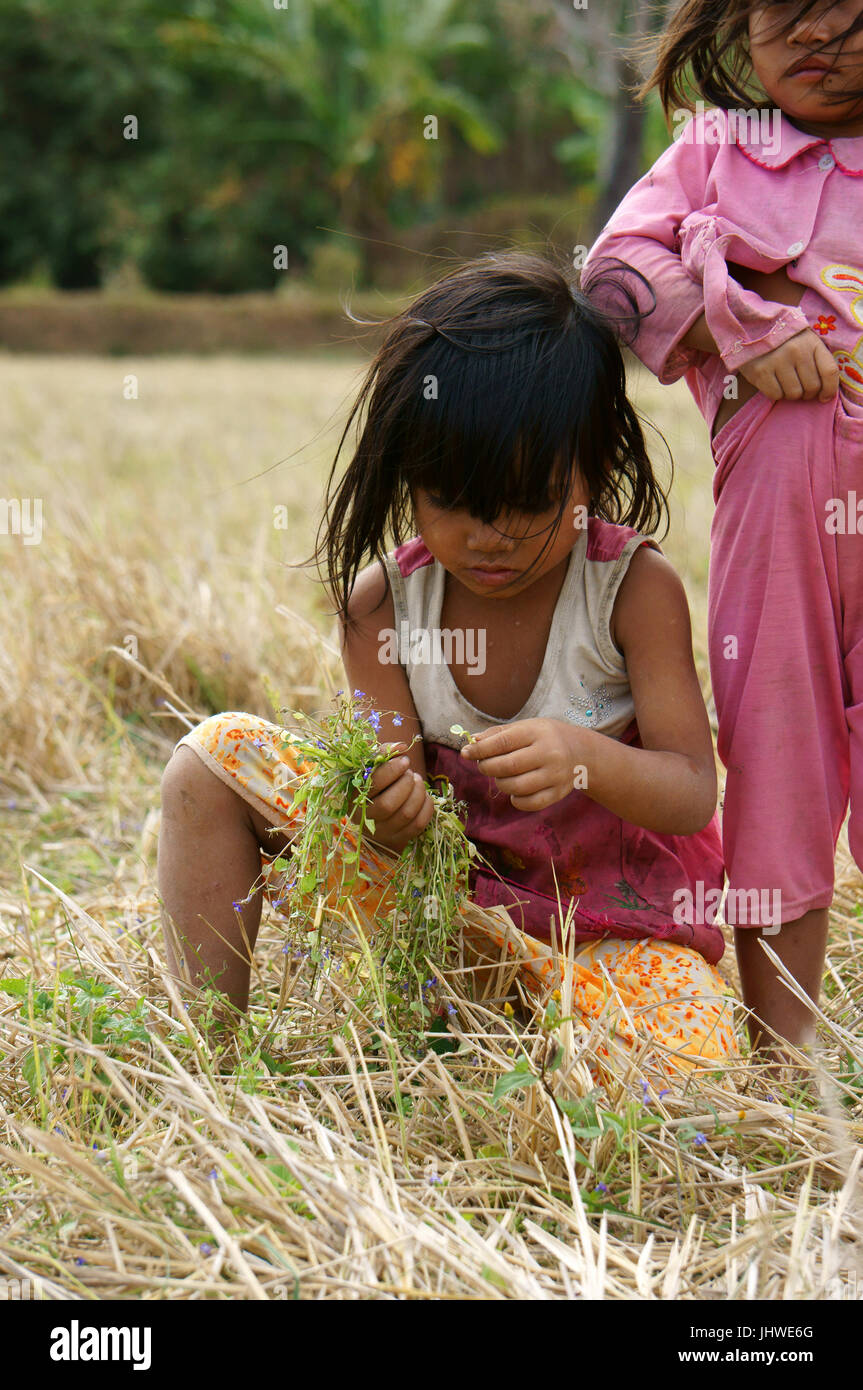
655,998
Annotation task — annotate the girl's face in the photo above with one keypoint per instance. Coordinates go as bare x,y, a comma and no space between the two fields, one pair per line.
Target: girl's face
803,78
493,560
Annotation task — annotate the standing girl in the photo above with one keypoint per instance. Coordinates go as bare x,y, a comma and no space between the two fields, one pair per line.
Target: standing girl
750,231
501,456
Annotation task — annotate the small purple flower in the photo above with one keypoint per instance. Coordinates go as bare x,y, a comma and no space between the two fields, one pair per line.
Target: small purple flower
700,1138
451,1009
301,1083
205,1248
213,1173
600,1187
645,1090
286,948
340,692
665,1092
367,772
79,1261
359,694
375,720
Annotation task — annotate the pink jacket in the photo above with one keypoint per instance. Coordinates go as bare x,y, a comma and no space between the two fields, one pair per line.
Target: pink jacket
722,192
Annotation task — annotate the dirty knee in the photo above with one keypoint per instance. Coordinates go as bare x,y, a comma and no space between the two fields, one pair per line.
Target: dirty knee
189,788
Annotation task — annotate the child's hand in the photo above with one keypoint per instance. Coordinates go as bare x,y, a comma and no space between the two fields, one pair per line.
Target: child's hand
534,760
799,370
400,805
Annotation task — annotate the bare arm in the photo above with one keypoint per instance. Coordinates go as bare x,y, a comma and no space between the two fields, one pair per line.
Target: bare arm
401,805
802,368
667,785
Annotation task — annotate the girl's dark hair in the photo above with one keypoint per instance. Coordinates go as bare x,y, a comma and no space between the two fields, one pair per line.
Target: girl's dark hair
497,386
704,51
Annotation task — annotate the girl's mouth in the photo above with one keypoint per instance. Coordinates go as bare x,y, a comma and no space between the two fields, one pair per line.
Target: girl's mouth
810,69
810,74
491,577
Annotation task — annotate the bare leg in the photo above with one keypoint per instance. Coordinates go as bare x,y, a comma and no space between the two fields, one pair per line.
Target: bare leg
209,856
801,946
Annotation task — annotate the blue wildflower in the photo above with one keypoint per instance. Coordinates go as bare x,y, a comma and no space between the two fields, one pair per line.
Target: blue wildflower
205,1248
79,1261
600,1187
665,1092
397,720
375,720
700,1138
450,1008
213,1173
359,694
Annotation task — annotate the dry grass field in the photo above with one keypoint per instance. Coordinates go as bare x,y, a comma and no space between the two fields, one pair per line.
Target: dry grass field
324,1164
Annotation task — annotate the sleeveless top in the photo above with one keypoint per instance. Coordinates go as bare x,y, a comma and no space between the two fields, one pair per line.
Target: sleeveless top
621,878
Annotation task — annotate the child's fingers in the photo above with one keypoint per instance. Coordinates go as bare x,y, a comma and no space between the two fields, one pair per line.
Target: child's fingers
388,774
828,370
401,802
536,802
808,378
528,784
523,760
493,743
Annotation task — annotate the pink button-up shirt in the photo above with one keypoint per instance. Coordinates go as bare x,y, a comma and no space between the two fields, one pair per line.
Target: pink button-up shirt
722,193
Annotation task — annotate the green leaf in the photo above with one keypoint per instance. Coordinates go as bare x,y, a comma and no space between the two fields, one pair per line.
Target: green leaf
29,1067
494,1278
511,1081
552,1014
15,986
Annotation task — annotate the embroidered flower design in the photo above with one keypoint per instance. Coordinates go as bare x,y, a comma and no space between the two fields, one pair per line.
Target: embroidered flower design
824,324
591,707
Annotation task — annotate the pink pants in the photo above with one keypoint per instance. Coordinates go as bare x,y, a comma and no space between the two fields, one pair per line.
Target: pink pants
786,643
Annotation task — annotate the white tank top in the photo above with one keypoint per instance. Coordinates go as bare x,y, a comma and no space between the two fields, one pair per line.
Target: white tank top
583,677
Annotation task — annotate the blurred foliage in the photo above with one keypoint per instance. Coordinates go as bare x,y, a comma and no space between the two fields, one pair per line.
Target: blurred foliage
260,127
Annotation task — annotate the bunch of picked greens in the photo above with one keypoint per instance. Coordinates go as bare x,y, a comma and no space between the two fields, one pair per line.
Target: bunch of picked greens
338,755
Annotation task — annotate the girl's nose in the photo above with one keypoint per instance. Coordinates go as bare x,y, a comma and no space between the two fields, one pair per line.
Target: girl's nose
818,26
485,539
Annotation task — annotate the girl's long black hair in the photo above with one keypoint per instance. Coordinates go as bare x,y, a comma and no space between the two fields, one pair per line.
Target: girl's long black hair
497,386
704,51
